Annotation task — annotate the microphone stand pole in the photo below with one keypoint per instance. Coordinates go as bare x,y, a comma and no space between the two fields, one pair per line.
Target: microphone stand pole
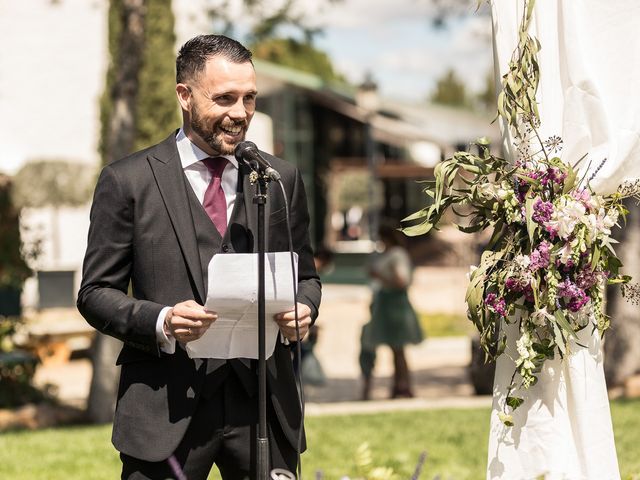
260,199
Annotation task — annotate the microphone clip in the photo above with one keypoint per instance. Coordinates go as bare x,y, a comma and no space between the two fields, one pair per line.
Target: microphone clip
247,153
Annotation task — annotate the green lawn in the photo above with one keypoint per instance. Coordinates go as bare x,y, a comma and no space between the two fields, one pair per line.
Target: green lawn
445,325
455,441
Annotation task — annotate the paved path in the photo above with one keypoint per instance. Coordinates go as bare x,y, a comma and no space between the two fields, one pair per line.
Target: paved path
439,365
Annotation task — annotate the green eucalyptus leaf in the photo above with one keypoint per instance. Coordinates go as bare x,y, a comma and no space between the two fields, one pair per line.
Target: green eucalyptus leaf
416,215
514,402
562,321
531,224
559,339
419,229
595,257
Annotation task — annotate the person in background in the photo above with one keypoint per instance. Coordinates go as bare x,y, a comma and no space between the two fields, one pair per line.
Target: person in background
393,320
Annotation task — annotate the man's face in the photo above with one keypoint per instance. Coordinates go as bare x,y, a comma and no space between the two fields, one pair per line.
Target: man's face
219,105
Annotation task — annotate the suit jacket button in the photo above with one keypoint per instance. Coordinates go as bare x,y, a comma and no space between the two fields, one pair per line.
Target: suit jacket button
225,248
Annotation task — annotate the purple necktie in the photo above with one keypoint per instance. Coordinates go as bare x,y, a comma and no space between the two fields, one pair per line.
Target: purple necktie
215,203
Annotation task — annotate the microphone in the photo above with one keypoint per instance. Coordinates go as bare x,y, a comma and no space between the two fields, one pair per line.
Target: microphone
247,152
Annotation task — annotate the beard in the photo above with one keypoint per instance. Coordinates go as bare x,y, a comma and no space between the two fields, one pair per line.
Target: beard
211,134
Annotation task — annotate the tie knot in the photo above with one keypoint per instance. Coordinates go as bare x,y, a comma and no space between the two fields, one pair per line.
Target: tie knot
215,165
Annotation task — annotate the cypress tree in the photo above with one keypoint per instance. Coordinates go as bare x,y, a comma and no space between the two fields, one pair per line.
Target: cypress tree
138,107
157,109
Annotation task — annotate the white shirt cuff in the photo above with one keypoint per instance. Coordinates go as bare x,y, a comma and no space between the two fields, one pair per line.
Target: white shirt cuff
166,343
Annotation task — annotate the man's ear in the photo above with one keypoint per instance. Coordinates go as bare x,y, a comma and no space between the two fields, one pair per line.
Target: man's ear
184,96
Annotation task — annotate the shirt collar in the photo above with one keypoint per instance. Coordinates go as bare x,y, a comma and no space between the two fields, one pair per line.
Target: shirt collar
190,153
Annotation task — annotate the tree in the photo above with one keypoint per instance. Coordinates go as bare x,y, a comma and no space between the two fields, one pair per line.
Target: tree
301,55
450,91
622,356
487,98
53,183
14,269
138,109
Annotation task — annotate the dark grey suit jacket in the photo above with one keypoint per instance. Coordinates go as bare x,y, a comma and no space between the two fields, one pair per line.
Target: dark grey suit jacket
142,233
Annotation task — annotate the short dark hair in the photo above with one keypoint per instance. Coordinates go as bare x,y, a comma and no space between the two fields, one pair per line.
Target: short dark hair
193,55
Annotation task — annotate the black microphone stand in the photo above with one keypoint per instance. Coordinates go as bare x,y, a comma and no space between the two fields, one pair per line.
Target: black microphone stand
260,199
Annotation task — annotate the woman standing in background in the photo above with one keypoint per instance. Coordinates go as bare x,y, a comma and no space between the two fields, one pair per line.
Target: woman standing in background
393,320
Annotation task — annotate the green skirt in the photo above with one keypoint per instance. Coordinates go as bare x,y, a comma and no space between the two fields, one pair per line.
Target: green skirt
393,321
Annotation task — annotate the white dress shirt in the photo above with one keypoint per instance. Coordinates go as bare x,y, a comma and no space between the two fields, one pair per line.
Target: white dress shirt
199,177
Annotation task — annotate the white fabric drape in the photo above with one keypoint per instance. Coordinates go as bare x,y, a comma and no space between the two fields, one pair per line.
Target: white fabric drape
590,76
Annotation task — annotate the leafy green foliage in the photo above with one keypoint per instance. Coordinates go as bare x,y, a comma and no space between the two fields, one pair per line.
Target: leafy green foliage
157,112
300,55
16,373
140,78
13,266
56,183
450,90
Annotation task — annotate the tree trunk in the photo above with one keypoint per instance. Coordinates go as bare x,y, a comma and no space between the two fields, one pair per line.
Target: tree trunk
622,356
126,38
104,381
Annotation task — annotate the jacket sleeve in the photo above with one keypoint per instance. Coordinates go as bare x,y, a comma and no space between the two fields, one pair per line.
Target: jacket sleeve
103,298
309,288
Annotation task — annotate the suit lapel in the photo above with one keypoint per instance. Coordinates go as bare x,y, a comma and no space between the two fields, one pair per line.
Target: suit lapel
167,169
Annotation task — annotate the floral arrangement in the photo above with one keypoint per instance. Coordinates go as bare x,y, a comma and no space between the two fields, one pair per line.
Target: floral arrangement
550,253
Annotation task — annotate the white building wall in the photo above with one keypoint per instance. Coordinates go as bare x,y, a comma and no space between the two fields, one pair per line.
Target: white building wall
53,63
52,69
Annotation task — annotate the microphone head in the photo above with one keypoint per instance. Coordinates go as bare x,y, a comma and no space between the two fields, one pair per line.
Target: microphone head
243,148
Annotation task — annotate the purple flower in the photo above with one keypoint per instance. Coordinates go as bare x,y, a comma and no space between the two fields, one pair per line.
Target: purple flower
587,278
528,295
575,296
542,211
577,302
512,284
541,256
555,175
551,230
495,304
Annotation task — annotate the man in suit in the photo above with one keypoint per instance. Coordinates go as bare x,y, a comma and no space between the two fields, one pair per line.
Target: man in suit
158,217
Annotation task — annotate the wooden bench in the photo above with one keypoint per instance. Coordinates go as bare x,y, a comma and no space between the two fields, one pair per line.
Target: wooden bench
53,334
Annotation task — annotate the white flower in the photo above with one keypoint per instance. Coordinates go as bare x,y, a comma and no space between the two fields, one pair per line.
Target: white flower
488,190
539,317
522,345
610,219
600,224
522,261
566,216
565,253
506,418
591,222
503,193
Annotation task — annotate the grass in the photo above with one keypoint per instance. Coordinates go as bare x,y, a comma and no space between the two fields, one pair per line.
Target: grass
456,442
445,325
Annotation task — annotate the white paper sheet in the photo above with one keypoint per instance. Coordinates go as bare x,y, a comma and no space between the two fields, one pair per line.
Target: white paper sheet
233,294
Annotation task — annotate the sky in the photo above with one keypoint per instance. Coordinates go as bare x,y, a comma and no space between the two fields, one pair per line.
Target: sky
395,40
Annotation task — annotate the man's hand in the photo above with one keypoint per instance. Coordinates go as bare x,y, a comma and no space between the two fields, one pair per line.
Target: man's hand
287,322
187,321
